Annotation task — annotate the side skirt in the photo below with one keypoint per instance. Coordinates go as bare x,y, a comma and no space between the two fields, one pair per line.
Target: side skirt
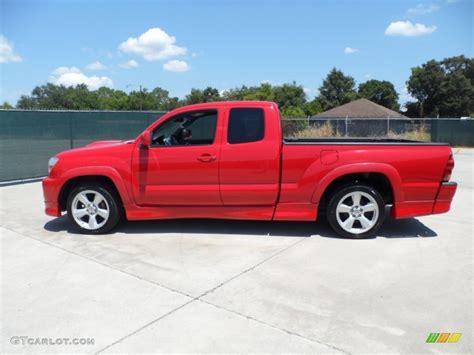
263,213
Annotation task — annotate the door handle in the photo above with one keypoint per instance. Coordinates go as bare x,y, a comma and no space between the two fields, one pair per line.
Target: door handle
207,158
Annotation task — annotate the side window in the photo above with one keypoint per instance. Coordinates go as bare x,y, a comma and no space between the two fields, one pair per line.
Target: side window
190,128
246,125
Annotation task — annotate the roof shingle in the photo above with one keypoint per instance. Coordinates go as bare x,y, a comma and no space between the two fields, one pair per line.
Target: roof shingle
361,108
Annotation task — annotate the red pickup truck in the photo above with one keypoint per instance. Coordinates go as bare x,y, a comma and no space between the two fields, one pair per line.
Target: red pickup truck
229,160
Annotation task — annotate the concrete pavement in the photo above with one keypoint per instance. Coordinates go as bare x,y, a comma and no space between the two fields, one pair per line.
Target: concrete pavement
236,286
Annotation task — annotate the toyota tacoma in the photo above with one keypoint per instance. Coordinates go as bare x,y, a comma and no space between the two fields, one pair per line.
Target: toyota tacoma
229,160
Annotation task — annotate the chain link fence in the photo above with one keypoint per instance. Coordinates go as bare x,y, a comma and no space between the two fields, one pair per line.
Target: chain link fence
455,131
29,138
416,129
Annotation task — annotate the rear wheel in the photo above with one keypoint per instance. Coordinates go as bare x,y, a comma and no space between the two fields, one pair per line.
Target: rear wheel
356,211
93,209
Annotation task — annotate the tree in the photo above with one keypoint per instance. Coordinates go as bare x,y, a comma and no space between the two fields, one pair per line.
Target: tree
237,93
264,92
173,103
312,108
140,100
162,100
337,89
424,84
380,92
457,95
110,99
458,88
51,97
197,96
293,112
80,98
286,95
444,88
290,95
412,109
459,64
26,102
6,106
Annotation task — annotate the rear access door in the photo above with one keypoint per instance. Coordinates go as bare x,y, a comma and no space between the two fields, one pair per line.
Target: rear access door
249,168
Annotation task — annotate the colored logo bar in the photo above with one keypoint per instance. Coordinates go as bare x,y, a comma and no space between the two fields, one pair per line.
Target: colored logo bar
443,337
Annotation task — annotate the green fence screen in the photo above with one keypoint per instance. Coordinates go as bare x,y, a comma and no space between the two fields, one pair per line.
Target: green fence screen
453,131
29,138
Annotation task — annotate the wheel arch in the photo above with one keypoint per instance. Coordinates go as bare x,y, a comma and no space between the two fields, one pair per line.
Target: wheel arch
113,182
383,178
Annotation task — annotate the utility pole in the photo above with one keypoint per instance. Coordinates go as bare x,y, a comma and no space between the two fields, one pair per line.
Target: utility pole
140,96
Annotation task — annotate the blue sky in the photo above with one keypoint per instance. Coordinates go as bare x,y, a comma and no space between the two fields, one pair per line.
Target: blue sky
178,45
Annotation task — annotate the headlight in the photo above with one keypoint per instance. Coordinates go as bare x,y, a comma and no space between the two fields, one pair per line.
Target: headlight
51,163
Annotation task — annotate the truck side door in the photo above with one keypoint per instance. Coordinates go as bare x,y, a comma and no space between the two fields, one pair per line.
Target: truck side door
249,166
181,165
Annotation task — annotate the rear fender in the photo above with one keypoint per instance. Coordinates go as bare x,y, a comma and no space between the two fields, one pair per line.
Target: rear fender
389,171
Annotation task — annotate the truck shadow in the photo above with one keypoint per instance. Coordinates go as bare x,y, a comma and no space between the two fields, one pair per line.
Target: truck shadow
406,228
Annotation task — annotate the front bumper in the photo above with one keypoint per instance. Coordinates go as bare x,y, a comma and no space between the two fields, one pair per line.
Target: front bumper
445,197
51,189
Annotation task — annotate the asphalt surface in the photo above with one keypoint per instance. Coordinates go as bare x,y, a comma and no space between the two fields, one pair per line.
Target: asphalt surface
235,286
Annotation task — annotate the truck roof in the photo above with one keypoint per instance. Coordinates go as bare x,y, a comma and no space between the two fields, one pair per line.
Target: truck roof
231,103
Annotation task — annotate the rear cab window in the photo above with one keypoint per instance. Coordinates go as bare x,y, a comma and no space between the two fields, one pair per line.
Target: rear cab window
246,125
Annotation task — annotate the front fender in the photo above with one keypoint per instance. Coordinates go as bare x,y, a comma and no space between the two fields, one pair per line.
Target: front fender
389,171
105,171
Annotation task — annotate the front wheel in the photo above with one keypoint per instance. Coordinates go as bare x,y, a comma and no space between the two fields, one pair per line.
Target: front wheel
93,209
356,211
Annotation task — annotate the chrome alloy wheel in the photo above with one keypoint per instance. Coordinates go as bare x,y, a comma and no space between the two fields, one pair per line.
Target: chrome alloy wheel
357,212
90,209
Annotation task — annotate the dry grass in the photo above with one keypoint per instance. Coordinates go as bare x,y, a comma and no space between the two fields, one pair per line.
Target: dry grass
325,130
420,134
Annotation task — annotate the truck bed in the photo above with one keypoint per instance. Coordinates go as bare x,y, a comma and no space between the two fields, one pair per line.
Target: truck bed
414,169
356,140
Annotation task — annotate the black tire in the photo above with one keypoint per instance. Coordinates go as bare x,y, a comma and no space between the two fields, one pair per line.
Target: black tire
375,218
112,204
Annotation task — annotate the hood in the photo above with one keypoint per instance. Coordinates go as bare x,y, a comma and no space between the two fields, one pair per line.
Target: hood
109,142
96,147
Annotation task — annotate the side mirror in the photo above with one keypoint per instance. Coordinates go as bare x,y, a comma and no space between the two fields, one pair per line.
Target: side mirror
146,139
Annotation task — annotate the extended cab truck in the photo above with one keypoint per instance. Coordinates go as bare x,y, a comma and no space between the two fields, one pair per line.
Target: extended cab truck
229,160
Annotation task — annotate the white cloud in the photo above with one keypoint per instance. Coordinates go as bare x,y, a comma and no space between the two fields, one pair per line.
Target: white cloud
423,9
96,66
368,75
129,65
408,29
349,50
73,76
177,66
7,52
154,44
307,91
